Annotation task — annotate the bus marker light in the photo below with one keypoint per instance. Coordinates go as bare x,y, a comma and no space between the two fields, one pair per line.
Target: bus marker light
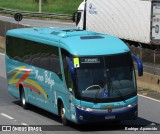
81,117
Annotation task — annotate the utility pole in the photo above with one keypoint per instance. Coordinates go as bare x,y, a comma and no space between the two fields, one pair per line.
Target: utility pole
40,6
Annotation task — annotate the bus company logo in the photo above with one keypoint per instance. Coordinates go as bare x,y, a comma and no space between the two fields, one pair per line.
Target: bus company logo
105,94
109,106
92,10
28,83
46,77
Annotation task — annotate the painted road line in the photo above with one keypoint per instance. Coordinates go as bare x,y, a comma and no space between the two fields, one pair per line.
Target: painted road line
149,98
24,124
2,54
7,116
11,118
26,25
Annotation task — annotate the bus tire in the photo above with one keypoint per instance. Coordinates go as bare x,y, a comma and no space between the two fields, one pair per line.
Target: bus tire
64,120
23,99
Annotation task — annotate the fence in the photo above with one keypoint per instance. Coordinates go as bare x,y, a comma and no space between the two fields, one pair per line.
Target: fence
150,58
36,14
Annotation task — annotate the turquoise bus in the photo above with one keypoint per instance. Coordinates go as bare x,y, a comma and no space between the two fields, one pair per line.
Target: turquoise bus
82,76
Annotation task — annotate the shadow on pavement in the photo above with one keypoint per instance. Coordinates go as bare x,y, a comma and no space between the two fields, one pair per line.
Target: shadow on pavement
40,111
107,126
115,126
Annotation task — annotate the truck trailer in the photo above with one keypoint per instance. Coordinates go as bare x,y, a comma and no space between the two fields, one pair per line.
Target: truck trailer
137,22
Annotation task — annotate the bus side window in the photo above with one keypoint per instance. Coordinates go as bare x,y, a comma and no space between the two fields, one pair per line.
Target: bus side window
34,53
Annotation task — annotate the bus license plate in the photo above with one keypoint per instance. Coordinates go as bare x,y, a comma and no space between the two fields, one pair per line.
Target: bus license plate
109,117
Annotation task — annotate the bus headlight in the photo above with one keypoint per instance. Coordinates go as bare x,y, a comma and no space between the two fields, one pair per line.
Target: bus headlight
84,108
132,105
129,106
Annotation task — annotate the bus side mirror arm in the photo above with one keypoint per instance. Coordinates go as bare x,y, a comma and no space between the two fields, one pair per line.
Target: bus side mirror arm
139,65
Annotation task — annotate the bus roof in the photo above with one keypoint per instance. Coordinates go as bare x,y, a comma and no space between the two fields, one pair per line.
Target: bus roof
76,42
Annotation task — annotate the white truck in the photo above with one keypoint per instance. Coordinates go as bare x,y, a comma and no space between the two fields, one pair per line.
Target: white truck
137,22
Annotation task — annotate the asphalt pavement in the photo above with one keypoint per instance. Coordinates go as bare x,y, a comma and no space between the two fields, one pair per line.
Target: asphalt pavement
2,66
38,23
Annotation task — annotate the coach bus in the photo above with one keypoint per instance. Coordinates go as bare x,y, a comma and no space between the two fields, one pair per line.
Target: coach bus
82,76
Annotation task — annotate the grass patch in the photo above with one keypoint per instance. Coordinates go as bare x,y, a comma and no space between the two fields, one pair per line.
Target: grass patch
147,90
1,43
52,6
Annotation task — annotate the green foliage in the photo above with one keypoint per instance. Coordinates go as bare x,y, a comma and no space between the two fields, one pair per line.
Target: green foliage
148,90
51,6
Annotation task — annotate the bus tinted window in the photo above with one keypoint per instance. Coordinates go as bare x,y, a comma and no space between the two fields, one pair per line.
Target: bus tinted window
33,53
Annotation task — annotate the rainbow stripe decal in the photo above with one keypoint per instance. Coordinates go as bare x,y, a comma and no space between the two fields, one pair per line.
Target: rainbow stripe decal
28,83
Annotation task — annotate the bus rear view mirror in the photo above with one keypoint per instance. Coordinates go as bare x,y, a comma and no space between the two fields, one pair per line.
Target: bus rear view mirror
139,65
71,67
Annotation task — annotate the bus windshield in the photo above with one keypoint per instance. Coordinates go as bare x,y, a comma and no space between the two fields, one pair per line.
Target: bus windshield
105,76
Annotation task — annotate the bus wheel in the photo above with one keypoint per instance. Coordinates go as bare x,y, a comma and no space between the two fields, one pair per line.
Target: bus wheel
23,100
63,117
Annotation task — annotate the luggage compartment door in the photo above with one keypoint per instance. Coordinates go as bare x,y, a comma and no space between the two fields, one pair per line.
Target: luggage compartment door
155,36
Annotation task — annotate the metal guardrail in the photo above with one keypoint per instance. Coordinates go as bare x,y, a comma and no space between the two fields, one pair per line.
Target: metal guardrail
37,14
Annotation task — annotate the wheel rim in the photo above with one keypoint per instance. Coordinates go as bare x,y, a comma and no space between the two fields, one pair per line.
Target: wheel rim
62,113
23,99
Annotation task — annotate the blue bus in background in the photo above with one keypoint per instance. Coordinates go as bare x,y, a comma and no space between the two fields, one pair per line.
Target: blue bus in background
82,76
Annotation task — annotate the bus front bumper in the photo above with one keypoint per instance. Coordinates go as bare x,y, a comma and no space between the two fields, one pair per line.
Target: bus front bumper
94,117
